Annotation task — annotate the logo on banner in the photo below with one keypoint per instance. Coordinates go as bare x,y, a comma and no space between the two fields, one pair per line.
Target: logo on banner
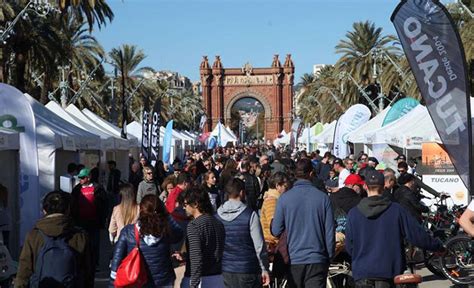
155,133
8,121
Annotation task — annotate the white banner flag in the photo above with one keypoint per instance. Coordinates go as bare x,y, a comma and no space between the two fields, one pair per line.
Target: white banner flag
354,117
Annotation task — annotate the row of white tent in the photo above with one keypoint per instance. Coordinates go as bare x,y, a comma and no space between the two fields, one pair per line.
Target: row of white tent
407,132
37,142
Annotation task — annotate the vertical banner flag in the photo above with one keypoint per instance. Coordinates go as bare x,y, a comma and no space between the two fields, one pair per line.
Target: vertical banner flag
167,142
354,117
219,134
434,50
294,132
16,114
146,129
202,122
155,131
124,119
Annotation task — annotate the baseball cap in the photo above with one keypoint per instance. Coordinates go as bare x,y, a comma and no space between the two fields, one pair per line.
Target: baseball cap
353,179
374,177
373,159
338,161
85,172
401,157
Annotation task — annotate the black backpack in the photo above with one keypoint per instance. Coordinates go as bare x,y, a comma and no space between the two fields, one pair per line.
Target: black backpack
56,264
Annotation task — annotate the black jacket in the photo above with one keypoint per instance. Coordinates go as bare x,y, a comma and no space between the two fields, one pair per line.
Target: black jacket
156,253
345,198
409,200
99,201
252,190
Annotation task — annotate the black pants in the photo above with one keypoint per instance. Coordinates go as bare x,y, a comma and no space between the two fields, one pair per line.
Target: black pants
374,283
309,275
241,280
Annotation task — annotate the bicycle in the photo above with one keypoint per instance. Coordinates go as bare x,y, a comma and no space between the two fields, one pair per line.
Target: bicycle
457,264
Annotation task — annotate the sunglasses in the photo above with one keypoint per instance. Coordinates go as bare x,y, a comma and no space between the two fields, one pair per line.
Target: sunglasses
149,173
81,177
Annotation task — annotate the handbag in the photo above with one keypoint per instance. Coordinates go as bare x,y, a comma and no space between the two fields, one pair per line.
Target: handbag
132,271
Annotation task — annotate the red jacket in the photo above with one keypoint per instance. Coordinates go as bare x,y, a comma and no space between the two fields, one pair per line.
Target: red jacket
171,205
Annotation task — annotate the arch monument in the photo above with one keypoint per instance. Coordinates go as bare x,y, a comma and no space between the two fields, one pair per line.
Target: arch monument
272,87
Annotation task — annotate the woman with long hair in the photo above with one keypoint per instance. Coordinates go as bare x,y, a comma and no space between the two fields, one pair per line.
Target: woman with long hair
157,230
125,213
209,185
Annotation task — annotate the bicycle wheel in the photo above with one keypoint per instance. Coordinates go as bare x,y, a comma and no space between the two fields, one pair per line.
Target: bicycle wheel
458,263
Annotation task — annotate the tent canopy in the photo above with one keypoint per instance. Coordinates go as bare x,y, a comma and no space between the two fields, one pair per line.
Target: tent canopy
409,132
327,136
226,137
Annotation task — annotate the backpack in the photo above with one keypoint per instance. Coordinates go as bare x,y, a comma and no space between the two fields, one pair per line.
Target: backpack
56,264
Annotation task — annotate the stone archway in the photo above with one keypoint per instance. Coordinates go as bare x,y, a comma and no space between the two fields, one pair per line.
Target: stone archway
272,86
248,94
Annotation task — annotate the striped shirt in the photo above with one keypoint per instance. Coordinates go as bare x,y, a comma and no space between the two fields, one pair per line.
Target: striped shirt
205,238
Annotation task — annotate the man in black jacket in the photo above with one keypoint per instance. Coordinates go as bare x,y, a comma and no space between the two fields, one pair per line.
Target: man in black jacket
346,198
407,196
252,187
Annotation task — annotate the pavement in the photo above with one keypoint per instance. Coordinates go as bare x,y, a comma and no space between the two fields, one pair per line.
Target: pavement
103,272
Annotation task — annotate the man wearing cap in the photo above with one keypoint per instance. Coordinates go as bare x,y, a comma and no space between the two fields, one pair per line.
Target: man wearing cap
346,198
373,162
88,208
375,231
407,196
340,168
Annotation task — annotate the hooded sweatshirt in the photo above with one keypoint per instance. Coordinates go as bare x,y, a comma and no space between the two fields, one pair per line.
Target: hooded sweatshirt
375,231
54,225
229,211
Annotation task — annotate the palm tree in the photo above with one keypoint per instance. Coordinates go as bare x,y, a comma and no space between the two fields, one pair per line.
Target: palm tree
91,11
6,13
127,59
356,59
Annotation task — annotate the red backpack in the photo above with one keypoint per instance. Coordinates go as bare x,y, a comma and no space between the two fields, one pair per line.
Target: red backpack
132,271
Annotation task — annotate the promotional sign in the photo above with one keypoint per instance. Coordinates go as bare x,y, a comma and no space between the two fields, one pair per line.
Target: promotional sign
155,131
294,132
400,108
439,173
434,51
354,117
146,129
167,142
16,114
202,122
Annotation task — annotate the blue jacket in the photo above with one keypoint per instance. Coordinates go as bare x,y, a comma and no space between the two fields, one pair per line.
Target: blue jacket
307,215
375,231
155,251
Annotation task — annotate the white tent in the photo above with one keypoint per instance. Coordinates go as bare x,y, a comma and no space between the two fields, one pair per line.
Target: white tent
133,141
47,144
285,139
408,132
9,146
226,137
106,139
327,136
357,136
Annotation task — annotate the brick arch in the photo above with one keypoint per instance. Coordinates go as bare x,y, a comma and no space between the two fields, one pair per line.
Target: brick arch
249,94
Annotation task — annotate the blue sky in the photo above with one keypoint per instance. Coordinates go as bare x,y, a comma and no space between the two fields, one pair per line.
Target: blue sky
176,34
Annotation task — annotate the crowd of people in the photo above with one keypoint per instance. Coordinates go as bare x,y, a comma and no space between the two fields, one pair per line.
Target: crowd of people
224,215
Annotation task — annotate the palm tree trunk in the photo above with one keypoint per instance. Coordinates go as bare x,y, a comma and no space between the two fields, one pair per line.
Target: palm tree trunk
20,63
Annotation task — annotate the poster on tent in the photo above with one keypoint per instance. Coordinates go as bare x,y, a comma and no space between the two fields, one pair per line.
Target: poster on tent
155,132
354,117
439,173
434,50
385,154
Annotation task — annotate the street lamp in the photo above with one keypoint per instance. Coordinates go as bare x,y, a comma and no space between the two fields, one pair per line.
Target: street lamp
40,7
